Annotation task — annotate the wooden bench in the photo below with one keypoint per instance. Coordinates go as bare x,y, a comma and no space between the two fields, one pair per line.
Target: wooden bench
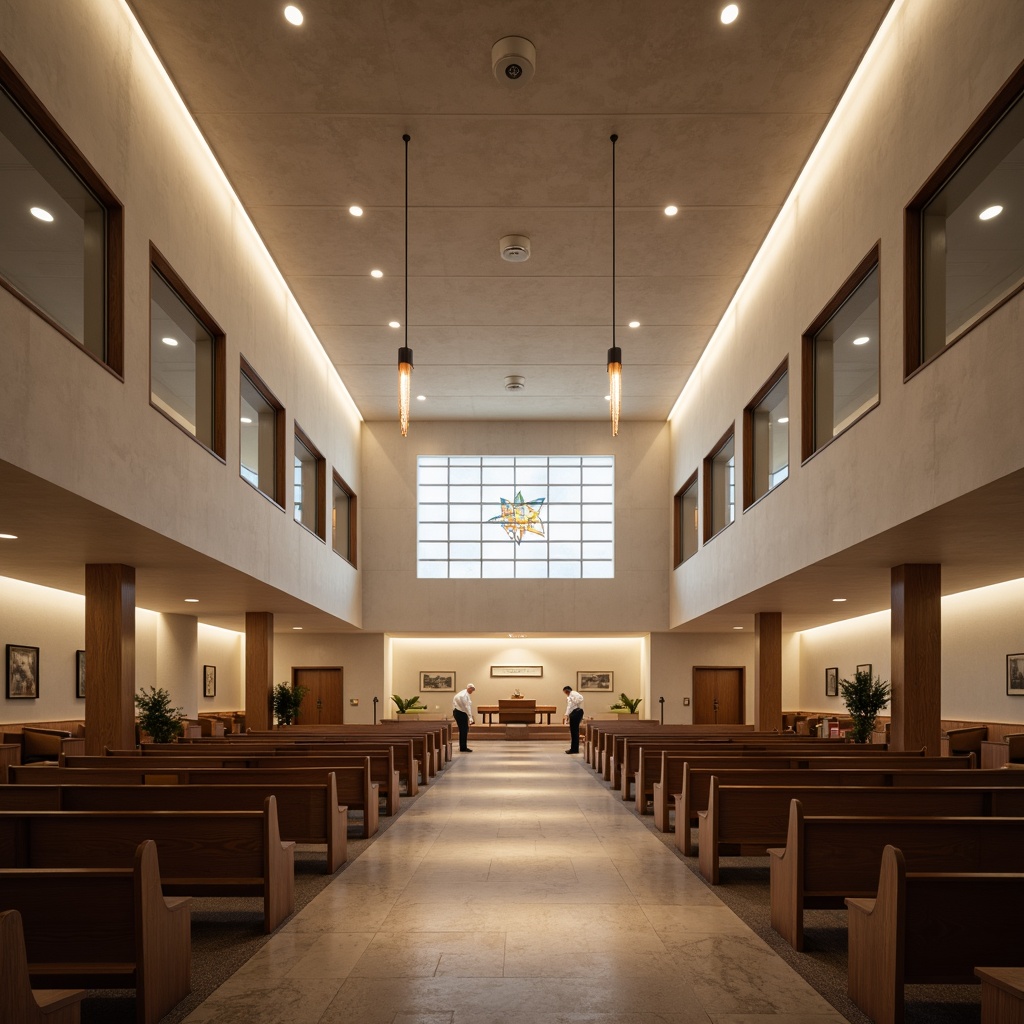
829,858
19,1002
202,853
748,820
1002,994
967,740
105,928
39,744
929,928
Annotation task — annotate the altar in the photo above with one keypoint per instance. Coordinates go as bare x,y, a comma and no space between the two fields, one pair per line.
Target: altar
516,711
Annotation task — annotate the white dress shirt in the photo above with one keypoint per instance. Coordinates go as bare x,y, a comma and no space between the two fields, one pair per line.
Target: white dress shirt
463,701
573,701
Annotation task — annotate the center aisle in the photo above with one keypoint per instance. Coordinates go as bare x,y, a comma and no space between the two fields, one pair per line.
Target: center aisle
516,889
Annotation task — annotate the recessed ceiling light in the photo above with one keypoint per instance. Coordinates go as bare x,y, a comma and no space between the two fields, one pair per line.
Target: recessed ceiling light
173,342
40,214
245,419
783,419
293,14
838,600
737,627
986,214
191,600
421,398
607,398
730,13
296,627
862,340
376,273
394,323
634,323
8,536
671,211
356,211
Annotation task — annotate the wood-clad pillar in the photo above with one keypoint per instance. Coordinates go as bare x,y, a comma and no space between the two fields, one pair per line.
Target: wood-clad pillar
768,671
259,669
916,658
109,657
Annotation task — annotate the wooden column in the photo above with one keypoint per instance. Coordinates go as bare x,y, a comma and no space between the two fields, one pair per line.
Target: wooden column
259,669
768,671
109,657
916,705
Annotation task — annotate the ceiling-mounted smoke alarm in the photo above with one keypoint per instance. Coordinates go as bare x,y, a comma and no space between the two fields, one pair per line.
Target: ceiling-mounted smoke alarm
515,383
514,248
513,60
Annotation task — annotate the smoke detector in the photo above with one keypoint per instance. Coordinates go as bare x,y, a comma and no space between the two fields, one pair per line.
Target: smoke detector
515,383
513,60
514,248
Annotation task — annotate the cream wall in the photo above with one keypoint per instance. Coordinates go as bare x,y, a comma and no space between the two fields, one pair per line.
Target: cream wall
396,601
953,427
115,104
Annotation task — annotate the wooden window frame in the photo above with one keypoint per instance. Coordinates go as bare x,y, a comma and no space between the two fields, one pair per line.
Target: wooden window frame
707,495
281,478
677,521
352,507
749,500
320,519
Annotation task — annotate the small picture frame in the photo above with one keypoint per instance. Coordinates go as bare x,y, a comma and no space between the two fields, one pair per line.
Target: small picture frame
1015,675
80,674
22,672
832,682
437,682
595,681
209,680
865,668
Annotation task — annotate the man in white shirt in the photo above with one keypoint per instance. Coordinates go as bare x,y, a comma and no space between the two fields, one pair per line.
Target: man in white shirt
573,717
462,711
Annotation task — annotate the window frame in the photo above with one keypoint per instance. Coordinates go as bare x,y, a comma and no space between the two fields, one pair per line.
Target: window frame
113,272
339,482
159,263
807,385
280,475
707,496
320,519
679,557
782,370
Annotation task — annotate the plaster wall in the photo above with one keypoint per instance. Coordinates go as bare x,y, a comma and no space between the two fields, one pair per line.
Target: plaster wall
225,650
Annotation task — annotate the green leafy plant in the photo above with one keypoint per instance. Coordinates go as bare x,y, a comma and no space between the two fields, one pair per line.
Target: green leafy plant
287,701
864,698
625,703
157,718
408,704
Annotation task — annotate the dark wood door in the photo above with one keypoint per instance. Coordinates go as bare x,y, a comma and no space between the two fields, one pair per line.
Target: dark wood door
325,702
717,695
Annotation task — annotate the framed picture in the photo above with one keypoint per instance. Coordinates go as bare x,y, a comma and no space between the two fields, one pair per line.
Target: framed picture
595,681
534,671
1015,675
832,682
437,682
865,668
80,673
22,672
209,680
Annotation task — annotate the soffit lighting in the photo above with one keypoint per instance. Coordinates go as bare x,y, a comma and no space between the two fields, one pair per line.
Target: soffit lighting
405,353
173,342
634,323
421,398
614,353
296,627
737,627
356,211
376,273
838,600
863,340
191,600
293,15
671,211
40,214
730,13
394,323
8,536
783,419
986,214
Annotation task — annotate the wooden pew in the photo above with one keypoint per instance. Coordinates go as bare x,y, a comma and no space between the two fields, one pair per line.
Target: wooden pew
826,859
929,928
19,1002
748,820
105,928
39,744
1002,994
202,853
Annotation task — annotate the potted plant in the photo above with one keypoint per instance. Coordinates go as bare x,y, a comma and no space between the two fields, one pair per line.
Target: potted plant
864,699
407,704
626,705
287,701
157,718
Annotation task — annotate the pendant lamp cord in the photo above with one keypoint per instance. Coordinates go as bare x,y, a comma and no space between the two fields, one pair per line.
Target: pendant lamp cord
405,139
614,139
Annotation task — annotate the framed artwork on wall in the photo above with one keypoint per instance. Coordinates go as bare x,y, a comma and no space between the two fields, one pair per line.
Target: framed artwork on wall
80,674
832,682
22,672
865,668
535,671
437,682
1015,675
209,680
595,681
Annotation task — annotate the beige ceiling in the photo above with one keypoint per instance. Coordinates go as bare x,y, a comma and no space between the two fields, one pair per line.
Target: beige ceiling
715,119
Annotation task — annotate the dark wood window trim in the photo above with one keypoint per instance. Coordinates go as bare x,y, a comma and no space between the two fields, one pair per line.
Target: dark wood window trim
352,506
677,520
748,434
706,495
320,519
913,361
219,450
32,107
807,382
280,483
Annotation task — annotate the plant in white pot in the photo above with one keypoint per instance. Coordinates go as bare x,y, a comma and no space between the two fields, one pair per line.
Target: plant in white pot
626,705
407,704
864,698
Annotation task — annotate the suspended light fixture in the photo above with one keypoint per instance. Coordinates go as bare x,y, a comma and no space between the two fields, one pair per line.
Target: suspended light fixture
614,353
405,353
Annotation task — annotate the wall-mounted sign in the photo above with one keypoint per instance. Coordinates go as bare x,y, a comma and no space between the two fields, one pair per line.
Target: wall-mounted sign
517,670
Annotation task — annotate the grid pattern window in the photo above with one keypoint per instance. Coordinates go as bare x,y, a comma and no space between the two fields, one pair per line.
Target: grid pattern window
343,520
186,384
309,472
842,348
686,521
720,486
261,445
60,228
767,438
972,237
516,517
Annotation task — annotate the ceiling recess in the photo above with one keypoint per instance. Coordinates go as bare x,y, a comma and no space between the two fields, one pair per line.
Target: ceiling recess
514,248
515,383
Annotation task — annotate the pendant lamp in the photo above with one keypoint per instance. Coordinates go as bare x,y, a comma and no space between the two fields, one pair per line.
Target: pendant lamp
614,353
405,353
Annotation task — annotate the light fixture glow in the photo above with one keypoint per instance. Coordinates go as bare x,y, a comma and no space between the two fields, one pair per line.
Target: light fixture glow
838,600
421,398
296,627
863,340
405,353
634,323
356,211
293,14
40,214
730,13
990,212
172,342
245,419
614,353
394,323
671,211
737,627
8,536
376,273
191,600
783,419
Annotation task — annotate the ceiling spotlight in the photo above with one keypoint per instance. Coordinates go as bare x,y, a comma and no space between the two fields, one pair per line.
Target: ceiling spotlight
671,211
8,536
394,323
513,60
356,211
191,600
783,419
634,323
293,15
421,398
862,340
296,627
515,383
730,13
737,627
173,342
986,214
376,273
40,214
514,248
838,600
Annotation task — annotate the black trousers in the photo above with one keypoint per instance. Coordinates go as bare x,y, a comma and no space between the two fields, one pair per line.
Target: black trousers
574,730
462,721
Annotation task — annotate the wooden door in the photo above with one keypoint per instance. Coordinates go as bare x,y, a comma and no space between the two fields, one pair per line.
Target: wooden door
718,695
325,703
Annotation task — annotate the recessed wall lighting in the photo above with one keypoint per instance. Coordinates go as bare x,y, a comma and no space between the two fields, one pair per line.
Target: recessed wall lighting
986,214
245,419
634,323
730,13
293,15
783,419
421,398
838,600
191,600
862,340
8,536
671,211
40,214
356,211
173,342
394,323
376,273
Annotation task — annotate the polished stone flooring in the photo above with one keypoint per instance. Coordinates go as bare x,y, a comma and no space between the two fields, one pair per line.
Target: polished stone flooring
516,889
